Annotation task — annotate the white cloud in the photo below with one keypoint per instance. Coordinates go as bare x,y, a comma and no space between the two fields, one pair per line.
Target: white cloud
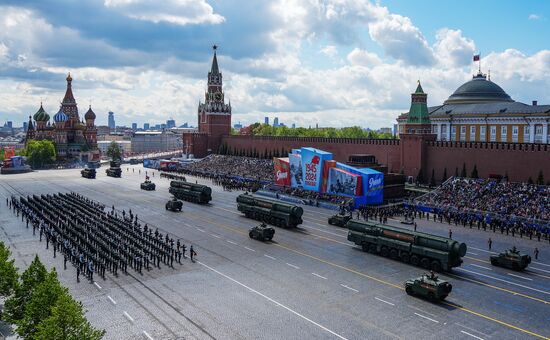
401,40
330,50
179,12
359,57
534,17
452,49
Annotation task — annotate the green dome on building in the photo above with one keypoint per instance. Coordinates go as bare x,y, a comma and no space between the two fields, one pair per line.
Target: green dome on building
478,90
41,115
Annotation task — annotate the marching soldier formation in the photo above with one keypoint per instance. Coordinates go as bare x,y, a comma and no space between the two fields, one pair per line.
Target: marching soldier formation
94,240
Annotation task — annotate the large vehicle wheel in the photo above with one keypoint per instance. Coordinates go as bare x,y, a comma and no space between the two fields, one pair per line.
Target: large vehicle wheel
179,209
384,251
435,266
425,263
251,235
166,206
393,253
365,247
372,249
415,260
405,257
331,221
409,290
431,296
493,262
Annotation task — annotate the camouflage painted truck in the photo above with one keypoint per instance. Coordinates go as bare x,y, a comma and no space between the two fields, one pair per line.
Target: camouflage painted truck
419,249
114,169
196,193
270,211
88,173
512,259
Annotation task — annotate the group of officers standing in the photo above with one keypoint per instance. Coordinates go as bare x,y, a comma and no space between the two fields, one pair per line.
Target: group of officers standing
95,240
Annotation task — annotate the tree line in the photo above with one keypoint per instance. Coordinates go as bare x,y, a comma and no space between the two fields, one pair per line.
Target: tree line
38,305
258,129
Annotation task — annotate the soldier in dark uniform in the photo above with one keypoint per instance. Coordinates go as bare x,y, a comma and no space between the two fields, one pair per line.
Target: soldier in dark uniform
192,253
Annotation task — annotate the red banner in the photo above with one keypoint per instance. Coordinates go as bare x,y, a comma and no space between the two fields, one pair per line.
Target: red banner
282,171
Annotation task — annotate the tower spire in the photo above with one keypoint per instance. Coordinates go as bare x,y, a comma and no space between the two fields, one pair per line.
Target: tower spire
214,68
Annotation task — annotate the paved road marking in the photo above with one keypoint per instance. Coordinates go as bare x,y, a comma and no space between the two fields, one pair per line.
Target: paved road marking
389,303
471,329
425,317
293,266
348,287
473,336
98,286
128,316
542,264
471,252
148,336
231,242
269,257
509,282
249,249
274,301
322,277
483,250
519,276
475,265
201,230
216,236
542,270
110,298
387,283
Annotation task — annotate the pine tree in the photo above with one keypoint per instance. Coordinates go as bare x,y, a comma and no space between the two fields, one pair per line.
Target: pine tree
444,175
530,180
456,171
8,272
67,321
474,172
463,173
432,179
40,305
14,307
265,154
540,178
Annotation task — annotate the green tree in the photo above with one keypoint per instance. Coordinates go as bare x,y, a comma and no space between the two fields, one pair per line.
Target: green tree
463,173
39,307
40,153
444,175
432,179
14,307
456,171
530,180
114,151
8,272
474,172
67,322
540,178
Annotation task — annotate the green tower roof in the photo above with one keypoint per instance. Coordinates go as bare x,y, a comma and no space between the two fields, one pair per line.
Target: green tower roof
418,113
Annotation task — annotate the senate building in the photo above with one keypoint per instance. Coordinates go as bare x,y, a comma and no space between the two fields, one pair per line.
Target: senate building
480,111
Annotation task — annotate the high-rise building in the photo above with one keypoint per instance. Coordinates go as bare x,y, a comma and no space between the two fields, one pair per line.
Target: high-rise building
146,126
25,126
293,125
111,121
170,123
9,124
276,122
266,120
134,126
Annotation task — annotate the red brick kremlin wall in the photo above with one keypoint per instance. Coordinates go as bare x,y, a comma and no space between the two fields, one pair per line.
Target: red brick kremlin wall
519,161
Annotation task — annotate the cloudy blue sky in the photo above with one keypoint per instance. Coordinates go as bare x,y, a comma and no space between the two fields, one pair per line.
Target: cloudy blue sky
332,62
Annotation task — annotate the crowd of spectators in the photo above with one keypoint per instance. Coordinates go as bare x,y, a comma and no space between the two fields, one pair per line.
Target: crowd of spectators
511,207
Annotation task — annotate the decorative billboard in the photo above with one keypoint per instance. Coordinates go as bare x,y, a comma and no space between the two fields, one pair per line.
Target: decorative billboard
374,186
342,182
282,171
327,165
295,162
312,167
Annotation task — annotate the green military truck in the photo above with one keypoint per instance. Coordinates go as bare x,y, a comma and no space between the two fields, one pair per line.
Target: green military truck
196,193
270,211
148,185
114,169
429,251
339,220
512,259
428,286
174,205
261,232
88,173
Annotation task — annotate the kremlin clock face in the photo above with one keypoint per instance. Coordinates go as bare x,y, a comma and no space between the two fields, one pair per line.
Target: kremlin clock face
218,96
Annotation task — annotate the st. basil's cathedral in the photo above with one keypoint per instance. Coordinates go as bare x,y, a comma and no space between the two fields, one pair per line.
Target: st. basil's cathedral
74,140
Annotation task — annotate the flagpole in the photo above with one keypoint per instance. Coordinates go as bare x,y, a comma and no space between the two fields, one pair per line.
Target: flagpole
479,62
